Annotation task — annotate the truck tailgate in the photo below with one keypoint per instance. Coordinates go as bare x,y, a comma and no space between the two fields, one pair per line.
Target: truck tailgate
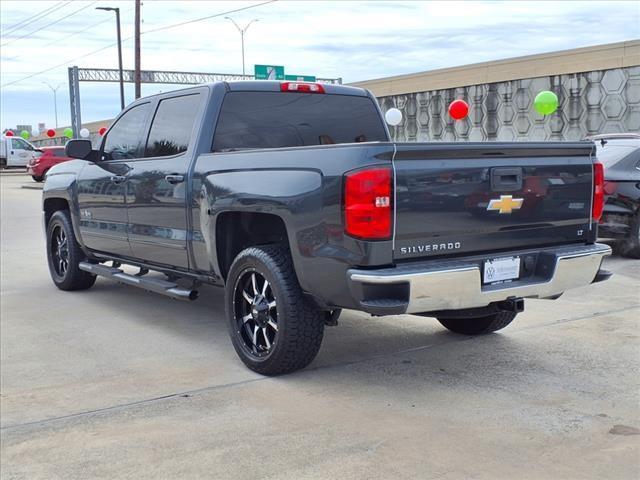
461,198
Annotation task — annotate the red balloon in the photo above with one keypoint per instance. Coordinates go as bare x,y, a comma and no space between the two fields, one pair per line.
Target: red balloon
458,109
9,133
51,133
102,130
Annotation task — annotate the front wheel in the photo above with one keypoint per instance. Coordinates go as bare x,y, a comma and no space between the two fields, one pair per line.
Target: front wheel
64,254
478,325
274,328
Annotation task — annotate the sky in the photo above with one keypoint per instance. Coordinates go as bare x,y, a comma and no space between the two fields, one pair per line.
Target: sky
352,40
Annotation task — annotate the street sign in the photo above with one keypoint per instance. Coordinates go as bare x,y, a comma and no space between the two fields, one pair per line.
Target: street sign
269,72
300,78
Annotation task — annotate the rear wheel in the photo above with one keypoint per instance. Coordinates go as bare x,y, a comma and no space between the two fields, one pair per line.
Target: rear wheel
64,254
630,246
37,179
478,325
274,328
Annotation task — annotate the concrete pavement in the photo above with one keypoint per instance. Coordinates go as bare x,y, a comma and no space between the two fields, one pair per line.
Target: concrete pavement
118,383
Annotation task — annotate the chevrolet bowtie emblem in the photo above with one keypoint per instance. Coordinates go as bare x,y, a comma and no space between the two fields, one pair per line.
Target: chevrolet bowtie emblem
506,204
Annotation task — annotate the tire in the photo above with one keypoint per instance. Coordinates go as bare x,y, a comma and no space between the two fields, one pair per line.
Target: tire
37,179
64,255
630,246
275,329
478,325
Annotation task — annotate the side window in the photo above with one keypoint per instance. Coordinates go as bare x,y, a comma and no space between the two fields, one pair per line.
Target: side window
171,128
19,144
125,137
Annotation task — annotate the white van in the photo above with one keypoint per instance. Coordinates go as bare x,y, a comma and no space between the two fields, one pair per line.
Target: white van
16,152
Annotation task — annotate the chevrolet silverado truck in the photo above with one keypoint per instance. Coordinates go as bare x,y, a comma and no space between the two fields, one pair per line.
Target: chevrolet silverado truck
293,198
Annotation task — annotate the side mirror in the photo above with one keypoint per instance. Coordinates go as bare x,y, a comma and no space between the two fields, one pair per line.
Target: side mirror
78,149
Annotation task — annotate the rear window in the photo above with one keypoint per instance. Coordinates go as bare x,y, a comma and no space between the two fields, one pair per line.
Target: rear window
57,152
274,119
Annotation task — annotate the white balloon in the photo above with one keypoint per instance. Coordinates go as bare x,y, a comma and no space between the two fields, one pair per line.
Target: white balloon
393,117
84,133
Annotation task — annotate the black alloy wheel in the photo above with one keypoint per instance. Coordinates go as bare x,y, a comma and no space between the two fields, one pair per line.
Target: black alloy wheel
255,313
274,327
59,251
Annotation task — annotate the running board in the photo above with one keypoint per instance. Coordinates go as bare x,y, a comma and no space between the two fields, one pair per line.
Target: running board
157,285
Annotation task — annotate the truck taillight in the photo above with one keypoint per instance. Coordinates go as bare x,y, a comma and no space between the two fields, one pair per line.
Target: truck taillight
598,191
367,203
301,87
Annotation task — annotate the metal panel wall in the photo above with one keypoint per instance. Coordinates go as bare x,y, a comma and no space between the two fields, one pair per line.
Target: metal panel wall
603,101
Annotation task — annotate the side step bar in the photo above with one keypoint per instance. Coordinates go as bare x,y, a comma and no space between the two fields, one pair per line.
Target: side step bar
157,285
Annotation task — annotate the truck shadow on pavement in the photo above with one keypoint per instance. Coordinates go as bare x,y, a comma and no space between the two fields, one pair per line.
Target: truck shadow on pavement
358,337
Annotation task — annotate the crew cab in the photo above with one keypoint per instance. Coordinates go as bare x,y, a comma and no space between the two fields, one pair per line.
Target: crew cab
293,198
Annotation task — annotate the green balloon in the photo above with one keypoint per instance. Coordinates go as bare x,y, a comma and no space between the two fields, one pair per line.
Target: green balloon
24,134
68,132
546,102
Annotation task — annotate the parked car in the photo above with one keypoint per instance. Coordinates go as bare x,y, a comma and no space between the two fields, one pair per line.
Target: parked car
620,155
293,197
39,166
16,152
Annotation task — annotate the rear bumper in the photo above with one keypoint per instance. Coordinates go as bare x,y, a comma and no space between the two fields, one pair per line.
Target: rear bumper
456,284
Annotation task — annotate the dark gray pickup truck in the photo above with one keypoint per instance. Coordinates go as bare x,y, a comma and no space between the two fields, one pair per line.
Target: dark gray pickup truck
293,197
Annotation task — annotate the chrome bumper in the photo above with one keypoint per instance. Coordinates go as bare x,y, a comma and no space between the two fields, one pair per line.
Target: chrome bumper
453,285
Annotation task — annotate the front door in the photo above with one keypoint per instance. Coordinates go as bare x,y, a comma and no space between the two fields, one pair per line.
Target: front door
157,184
102,185
20,152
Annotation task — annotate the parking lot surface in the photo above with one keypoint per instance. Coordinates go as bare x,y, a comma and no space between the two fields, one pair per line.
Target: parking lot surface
117,382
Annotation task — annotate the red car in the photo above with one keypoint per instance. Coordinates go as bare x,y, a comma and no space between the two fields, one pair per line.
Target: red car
51,156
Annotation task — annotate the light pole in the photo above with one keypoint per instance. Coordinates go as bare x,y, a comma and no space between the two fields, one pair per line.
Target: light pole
242,32
55,99
117,10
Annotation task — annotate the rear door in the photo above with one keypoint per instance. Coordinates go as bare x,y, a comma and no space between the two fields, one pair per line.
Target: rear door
158,183
102,184
464,198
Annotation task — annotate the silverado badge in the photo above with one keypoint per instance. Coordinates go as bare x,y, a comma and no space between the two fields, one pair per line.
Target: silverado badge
506,204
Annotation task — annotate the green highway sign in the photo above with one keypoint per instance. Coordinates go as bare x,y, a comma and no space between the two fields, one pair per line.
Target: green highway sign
300,78
269,72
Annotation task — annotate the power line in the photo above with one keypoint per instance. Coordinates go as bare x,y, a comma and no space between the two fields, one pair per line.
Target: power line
108,19
129,38
63,63
48,24
207,17
33,18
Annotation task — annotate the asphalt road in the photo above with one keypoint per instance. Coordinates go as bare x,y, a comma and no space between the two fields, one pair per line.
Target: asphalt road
118,383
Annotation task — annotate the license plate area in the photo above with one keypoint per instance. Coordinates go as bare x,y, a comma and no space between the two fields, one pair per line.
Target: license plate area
499,270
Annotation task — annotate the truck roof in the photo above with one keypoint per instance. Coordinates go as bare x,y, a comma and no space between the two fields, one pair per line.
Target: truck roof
263,86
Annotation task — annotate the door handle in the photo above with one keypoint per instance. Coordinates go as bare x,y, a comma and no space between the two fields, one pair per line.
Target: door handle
174,178
118,178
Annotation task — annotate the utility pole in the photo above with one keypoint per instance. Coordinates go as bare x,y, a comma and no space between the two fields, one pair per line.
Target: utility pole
136,74
55,99
242,32
117,10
